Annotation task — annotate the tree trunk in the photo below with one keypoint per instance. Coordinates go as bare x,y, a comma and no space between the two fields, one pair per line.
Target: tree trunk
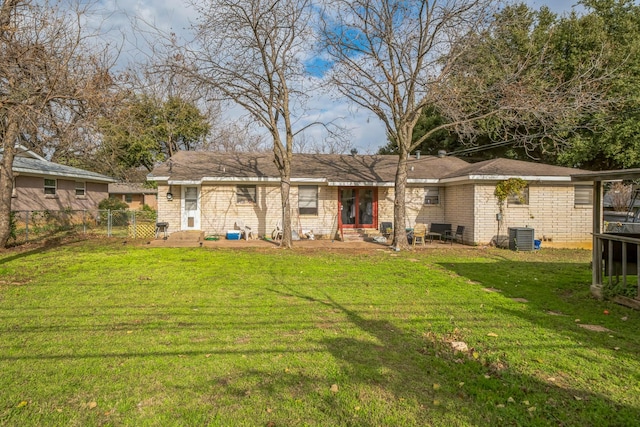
285,190
6,180
399,217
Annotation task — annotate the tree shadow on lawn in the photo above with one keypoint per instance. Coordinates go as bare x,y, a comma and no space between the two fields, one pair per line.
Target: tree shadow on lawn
35,247
555,294
440,386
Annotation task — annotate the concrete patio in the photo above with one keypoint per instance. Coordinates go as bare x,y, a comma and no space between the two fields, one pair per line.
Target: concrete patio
185,239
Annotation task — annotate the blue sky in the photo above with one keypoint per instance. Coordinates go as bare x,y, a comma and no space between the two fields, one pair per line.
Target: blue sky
366,132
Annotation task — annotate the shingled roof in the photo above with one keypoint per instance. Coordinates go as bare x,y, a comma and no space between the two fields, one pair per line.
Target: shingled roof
39,166
198,166
130,188
506,168
194,167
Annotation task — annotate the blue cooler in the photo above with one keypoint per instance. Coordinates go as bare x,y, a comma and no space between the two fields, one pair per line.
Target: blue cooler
233,234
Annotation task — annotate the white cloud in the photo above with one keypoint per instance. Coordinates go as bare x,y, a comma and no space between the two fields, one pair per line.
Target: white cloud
127,16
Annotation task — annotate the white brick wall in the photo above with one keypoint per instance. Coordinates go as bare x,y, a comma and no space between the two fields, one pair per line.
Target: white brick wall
169,211
550,211
460,210
418,212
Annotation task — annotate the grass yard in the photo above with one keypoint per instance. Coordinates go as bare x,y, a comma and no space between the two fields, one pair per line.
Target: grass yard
97,333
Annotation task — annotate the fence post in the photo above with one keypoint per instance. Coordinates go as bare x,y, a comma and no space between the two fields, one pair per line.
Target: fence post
109,218
84,221
134,223
26,228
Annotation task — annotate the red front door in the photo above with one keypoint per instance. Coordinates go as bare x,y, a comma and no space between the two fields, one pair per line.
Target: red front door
358,207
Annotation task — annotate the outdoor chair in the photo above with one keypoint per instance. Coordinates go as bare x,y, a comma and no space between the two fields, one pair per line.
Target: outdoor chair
245,230
419,234
386,228
458,235
277,232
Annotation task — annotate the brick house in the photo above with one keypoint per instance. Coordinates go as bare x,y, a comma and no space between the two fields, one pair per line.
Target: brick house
43,185
211,192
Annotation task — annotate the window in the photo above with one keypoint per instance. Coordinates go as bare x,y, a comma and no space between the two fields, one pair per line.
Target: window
519,199
583,195
80,189
246,194
50,187
308,200
128,198
431,196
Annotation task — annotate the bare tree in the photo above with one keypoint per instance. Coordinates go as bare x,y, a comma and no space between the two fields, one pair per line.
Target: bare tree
236,136
620,196
396,57
248,51
52,75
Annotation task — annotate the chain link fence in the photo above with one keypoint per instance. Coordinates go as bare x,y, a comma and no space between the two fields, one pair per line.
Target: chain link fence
36,225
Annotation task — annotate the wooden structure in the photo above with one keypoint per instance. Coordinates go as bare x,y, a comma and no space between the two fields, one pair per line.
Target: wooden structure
615,255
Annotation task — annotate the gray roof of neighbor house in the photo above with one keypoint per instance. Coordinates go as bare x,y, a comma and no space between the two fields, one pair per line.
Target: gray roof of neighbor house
507,168
130,188
334,169
36,165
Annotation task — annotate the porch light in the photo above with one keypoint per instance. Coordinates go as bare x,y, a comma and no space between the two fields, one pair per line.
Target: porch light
169,196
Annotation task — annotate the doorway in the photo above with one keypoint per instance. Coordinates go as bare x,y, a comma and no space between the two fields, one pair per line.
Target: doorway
358,207
190,208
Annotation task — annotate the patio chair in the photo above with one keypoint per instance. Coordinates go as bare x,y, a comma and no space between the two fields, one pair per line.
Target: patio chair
419,234
245,230
458,235
386,228
277,232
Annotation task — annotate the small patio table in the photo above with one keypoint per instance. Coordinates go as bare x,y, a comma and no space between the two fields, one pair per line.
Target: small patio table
432,234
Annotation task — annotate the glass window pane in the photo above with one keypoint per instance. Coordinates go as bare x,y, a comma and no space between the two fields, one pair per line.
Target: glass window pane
80,189
308,199
50,186
191,193
519,199
246,194
583,194
431,195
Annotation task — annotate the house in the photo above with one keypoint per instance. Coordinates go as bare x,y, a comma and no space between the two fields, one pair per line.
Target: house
211,192
134,194
41,185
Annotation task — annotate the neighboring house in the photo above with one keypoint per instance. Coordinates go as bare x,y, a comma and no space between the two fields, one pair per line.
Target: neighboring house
210,192
134,194
43,185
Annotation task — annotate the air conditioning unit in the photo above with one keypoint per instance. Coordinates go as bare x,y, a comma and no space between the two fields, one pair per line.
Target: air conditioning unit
521,239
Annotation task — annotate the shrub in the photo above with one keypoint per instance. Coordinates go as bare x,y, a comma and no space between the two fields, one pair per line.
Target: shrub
112,204
118,208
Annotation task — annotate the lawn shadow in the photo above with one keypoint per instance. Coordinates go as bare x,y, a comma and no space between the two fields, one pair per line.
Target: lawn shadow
42,245
565,301
400,368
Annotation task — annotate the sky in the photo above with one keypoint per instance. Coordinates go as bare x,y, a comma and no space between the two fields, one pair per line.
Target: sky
366,132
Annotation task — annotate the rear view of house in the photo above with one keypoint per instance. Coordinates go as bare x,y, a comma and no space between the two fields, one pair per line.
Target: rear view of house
335,194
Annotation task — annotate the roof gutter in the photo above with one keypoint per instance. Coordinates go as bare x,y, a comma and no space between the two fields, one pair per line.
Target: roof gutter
19,171
359,184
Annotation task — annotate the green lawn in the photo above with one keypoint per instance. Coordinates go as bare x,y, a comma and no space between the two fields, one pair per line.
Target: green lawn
97,333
